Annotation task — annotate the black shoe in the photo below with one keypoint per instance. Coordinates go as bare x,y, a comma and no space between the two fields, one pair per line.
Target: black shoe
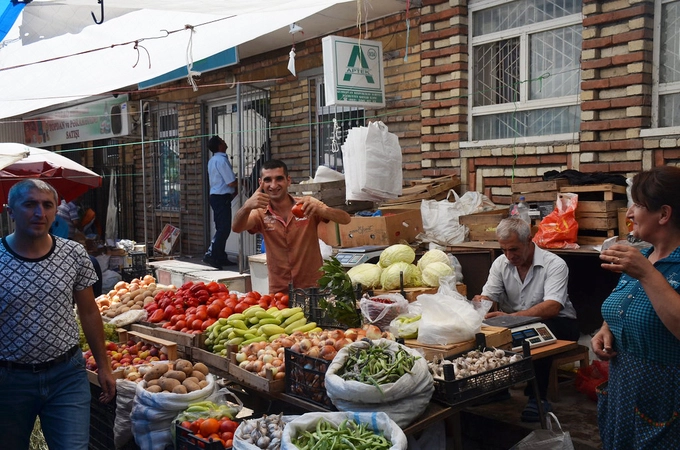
211,262
530,413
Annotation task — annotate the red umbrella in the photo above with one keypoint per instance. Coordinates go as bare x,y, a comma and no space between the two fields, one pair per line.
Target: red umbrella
70,179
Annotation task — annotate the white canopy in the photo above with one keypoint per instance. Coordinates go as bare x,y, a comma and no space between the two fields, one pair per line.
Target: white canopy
55,53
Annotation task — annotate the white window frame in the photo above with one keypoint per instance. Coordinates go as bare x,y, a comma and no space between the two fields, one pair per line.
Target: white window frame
524,104
657,89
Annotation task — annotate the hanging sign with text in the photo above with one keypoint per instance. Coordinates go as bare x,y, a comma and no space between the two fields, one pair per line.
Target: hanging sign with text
353,72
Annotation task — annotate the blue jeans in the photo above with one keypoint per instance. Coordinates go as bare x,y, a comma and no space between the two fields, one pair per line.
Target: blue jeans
59,395
221,206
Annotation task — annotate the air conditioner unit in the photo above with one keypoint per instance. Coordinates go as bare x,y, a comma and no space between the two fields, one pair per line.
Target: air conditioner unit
125,119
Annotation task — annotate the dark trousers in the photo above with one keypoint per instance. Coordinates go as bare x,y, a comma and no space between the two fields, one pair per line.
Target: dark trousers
564,329
221,206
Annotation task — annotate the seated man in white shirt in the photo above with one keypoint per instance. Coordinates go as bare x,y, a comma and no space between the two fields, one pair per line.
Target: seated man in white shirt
529,281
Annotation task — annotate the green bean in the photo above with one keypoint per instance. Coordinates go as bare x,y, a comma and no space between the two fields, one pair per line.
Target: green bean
347,436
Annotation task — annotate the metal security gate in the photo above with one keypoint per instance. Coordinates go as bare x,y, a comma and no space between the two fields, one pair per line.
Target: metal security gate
243,123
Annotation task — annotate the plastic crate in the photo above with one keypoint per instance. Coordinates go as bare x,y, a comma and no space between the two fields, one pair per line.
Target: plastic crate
471,388
308,300
306,378
186,440
102,417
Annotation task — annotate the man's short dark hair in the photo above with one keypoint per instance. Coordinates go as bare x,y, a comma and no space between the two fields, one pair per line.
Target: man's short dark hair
214,143
275,164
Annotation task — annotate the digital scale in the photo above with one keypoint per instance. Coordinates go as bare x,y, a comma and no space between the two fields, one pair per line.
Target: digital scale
523,328
537,334
350,257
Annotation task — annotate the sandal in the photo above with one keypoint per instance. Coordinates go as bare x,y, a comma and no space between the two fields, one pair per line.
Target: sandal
530,413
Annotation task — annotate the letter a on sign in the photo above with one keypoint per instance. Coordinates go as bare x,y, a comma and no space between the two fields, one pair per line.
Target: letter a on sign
357,54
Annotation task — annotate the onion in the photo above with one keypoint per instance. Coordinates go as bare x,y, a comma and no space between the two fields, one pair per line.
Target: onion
314,351
340,343
373,332
336,334
305,345
328,352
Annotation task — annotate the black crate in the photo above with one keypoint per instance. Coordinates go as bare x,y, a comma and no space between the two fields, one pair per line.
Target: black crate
102,417
308,300
306,378
476,386
186,440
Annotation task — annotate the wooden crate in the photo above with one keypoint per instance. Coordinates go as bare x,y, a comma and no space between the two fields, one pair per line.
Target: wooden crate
597,192
253,380
332,193
539,186
218,365
412,293
498,337
597,211
482,225
433,189
625,226
184,341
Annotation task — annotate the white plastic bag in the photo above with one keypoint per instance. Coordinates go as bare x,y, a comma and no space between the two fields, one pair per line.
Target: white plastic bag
381,314
403,400
376,421
548,439
448,317
382,176
354,158
440,218
153,413
373,163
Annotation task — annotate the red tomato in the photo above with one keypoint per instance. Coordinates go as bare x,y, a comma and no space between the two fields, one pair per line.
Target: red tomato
225,312
214,310
181,324
285,299
239,308
197,324
202,314
263,303
228,426
217,302
213,287
186,424
297,211
207,323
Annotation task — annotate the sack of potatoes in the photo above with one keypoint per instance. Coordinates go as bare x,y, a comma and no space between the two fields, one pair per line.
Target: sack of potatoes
178,377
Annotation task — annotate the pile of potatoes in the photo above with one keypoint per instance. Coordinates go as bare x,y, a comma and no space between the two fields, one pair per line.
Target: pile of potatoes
178,377
126,296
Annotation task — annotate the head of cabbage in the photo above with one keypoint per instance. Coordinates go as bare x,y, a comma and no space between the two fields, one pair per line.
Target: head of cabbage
434,271
396,253
430,256
366,274
389,279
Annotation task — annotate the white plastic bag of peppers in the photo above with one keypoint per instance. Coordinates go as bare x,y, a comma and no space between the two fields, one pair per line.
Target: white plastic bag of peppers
389,377
375,430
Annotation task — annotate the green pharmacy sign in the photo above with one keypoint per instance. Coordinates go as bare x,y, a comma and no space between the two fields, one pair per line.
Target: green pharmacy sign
353,72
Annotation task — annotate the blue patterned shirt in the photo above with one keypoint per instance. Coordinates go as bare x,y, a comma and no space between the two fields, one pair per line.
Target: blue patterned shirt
634,322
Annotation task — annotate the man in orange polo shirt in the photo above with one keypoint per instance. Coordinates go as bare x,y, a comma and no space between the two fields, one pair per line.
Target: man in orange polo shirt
292,243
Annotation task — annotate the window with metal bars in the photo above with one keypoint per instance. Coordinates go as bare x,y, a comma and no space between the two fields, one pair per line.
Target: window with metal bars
167,161
525,68
333,124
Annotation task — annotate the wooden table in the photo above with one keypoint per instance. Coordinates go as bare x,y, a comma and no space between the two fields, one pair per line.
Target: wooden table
556,347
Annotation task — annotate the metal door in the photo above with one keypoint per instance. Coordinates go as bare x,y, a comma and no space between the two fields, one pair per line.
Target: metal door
243,123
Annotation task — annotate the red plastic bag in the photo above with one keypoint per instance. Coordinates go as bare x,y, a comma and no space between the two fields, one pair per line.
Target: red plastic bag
559,229
590,377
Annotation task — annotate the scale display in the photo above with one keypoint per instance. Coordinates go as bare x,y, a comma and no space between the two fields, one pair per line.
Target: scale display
537,334
350,257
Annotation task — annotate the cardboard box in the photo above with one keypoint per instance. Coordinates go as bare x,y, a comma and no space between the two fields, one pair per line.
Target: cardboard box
329,233
393,227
